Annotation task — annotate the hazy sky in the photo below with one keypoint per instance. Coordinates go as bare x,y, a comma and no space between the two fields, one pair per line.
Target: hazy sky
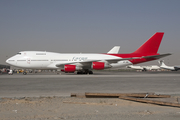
88,26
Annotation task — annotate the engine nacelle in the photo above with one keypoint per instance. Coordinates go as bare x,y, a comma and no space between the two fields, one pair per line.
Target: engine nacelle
100,65
69,68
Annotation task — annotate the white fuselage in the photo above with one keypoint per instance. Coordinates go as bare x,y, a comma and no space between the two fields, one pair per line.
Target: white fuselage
163,66
49,60
152,67
168,67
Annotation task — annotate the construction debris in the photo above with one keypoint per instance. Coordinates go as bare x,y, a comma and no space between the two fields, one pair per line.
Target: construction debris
137,97
150,101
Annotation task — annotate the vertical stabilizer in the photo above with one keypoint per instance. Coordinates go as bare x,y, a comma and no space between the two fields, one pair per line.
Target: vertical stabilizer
161,62
151,46
114,50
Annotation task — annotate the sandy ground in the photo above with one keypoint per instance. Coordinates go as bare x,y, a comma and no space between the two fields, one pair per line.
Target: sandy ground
31,97
57,108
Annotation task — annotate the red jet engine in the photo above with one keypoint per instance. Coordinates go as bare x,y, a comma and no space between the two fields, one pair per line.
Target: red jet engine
69,68
99,65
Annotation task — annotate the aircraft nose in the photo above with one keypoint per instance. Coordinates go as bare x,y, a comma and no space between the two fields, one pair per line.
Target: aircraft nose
10,61
7,61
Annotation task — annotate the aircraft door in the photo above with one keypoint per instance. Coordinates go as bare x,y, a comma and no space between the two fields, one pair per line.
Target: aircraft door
28,60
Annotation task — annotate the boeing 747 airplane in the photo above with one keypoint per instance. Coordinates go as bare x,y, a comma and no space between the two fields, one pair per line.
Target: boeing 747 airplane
85,63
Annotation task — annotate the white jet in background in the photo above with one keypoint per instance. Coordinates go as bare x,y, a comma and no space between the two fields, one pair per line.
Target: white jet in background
144,68
114,50
172,68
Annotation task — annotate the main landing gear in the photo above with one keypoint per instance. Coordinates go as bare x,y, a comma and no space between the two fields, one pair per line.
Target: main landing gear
85,72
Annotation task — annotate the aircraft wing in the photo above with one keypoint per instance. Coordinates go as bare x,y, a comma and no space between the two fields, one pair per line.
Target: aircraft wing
73,62
90,61
85,62
121,59
157,56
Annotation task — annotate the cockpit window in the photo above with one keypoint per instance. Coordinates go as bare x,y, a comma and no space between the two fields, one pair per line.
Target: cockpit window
18,53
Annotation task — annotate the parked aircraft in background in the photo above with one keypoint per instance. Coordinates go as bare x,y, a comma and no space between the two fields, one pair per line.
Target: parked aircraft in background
172,68
144,68
114,50
85,63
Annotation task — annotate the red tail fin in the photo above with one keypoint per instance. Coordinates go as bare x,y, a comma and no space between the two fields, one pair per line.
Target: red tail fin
151,46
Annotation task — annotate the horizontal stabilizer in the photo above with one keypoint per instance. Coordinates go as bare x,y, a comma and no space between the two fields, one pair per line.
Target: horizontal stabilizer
157,56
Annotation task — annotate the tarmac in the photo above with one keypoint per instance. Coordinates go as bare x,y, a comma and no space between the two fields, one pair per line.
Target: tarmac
52,84
46,96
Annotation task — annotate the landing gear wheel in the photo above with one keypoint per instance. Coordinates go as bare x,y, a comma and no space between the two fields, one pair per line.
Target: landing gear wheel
85,72
90,72
79,72
24,73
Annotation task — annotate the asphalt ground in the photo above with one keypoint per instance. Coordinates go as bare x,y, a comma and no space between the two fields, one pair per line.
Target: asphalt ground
51,84
45,96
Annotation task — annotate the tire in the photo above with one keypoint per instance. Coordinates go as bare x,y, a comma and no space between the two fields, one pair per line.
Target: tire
24,73
90,72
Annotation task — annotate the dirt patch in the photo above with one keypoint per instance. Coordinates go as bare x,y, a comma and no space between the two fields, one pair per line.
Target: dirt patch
51,108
